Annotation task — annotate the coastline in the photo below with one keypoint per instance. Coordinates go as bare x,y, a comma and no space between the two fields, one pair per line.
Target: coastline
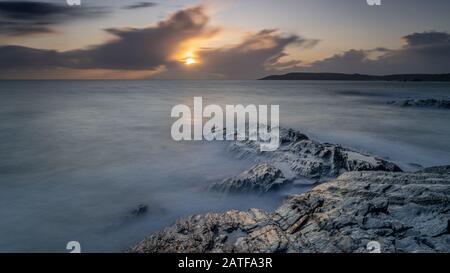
358,199
358,77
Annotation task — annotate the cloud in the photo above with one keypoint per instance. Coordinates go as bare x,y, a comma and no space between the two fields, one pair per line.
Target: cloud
27,17
18,57
426,52
159,48
427,38
132,49
145,48
253,57
158,51
141,5
13,28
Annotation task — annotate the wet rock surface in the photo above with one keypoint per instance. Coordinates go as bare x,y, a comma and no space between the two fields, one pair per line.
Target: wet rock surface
297,159
404,212
261,178
300,157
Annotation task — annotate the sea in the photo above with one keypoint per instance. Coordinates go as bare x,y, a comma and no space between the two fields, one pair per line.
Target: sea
78,158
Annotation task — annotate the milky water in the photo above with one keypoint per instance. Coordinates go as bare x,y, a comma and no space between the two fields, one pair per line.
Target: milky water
76,157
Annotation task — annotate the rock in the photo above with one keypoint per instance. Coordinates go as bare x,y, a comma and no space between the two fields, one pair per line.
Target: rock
300,157
140,209
404,212
431,103
260,179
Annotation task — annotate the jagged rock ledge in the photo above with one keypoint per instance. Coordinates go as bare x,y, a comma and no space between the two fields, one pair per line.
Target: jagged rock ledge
259,179
298,160
404,212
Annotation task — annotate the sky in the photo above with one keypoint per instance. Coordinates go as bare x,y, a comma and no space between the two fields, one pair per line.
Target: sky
227,39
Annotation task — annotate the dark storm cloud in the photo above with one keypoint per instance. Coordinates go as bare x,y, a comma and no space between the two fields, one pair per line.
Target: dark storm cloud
131,49
26,17
427,38
25,10
18,57
426,52
14,28
141,5
152,48
146,48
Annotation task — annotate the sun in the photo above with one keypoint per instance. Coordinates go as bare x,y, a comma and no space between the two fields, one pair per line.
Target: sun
188,58
189,61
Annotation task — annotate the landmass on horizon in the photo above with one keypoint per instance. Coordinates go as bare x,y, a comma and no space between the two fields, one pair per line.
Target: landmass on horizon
359,77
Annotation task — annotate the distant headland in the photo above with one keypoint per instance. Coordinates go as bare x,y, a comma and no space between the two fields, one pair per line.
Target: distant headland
360,77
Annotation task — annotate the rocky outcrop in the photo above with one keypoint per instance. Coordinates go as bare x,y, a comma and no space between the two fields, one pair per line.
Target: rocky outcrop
298,159
404,212
371,200
301,157
429,103
261,178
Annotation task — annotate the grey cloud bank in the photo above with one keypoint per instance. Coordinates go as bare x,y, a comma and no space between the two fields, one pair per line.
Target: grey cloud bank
426,52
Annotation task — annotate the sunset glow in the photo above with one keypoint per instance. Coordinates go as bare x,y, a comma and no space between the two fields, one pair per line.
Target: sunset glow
123,39
189,61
